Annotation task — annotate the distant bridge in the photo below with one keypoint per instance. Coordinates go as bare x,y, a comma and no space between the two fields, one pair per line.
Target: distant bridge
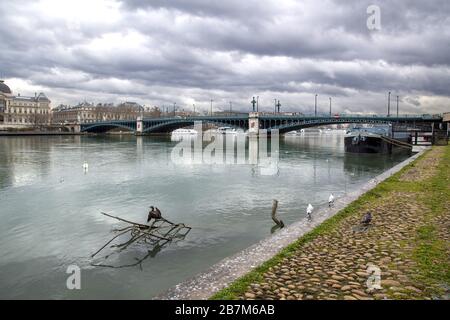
253,121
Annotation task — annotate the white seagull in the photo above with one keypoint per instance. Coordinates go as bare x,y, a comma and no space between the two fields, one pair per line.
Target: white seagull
331,200
85,166
309,210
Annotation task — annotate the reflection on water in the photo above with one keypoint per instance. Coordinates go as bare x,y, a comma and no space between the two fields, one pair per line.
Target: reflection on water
50,210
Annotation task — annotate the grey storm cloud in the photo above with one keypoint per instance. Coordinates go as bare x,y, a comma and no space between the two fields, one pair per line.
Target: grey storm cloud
162,51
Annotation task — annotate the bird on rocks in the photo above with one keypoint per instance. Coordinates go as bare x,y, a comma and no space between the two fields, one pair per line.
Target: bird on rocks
309,210
367,218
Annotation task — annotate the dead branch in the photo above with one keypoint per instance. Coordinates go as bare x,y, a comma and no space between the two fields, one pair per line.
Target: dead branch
274,214
109,242
127,221
158,234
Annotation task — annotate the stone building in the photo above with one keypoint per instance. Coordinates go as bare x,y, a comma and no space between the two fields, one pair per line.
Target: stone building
83,112
86,112
22,112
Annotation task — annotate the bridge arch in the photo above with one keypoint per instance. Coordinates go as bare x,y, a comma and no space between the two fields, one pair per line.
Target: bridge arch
105,127
168,126
287,126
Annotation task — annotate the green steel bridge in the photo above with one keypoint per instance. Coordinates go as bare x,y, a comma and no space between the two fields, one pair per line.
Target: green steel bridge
282,122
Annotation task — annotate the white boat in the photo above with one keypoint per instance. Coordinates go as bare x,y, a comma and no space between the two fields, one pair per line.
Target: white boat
311,130
227,130
184,132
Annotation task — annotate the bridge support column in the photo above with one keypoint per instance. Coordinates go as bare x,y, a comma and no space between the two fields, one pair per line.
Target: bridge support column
73,128
253,124
139,126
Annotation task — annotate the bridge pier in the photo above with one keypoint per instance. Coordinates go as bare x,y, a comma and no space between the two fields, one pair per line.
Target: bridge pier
253,124
77,128
73,127
139,126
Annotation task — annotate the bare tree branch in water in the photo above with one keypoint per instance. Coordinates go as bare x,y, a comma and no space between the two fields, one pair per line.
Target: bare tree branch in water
157,235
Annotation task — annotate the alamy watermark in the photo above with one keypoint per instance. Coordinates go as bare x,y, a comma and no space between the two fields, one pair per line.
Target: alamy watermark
374,19
218,148
374,280
73,282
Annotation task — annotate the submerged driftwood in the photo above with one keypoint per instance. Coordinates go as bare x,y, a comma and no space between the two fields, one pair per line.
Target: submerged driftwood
279,223
154,237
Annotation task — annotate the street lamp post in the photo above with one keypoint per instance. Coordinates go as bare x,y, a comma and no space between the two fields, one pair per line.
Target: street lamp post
315,105
174,104
275,110
257,104
330,106
253,102
389,104
397,106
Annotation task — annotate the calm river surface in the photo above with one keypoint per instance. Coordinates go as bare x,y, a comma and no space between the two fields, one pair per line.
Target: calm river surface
50,209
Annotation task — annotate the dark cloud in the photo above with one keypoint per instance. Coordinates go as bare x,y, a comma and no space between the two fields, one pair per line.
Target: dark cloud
159,51
250,10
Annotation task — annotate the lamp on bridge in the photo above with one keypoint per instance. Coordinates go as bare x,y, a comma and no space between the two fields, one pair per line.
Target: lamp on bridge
397,106
330,106
315,105
389,104
253,102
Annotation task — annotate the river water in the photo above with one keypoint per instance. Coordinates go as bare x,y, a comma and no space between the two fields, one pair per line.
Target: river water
50,208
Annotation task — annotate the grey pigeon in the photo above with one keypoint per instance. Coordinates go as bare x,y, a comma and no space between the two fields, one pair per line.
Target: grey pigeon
367,218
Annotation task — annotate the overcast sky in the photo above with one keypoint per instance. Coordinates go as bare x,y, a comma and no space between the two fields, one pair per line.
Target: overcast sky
191,51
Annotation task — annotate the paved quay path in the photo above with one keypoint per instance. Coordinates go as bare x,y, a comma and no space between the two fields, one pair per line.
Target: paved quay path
340,263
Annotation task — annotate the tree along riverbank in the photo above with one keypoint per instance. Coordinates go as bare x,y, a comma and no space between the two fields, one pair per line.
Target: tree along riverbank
408,243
